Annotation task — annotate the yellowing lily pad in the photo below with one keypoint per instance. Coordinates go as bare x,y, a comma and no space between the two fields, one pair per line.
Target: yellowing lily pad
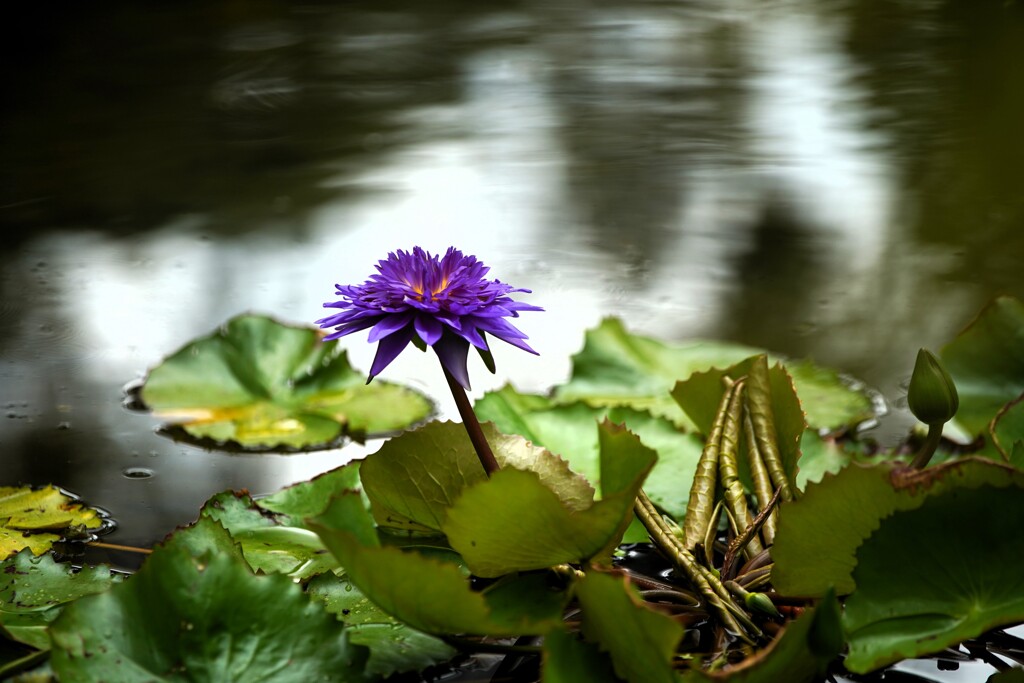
36,518
259,385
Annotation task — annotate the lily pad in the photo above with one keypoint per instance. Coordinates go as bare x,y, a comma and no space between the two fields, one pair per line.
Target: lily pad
268,542
568,659
293,504
1007,429
958,559
430,595
515,522
34,589
617,367
36,518
571,432
818,535
394,647
641,641
202,616
258,385
986,361
415,478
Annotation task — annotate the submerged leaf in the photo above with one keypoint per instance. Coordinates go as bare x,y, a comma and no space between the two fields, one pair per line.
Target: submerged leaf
819,534
191,614
986,360
957,560
260,385
36,518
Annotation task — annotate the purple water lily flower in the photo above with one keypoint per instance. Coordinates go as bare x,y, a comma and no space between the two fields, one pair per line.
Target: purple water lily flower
445,302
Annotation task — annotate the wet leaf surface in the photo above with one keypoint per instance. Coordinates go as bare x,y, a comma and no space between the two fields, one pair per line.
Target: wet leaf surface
194,613
958,575
36,518
258,385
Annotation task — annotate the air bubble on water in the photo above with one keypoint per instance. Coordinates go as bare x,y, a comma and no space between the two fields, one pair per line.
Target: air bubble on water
64,425
137,473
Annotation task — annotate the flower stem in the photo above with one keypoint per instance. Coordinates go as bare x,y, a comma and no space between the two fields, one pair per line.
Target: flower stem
931,442
472,425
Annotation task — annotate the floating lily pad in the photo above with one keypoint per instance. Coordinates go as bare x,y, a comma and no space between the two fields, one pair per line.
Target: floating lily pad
394,647
430,595
571,432
36,518
257,385
818,535
931,577
617,367
515,522
986,361
415,478
1007,429
641,641
293,504
191,613
268,542
568,659
34,589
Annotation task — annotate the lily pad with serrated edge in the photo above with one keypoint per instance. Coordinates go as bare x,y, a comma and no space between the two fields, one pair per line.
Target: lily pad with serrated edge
258,385
37,517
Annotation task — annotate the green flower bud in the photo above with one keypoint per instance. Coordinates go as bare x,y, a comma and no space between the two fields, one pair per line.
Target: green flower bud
759,602
932,396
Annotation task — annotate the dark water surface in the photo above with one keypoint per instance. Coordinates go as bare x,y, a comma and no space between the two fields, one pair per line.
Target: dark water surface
840,180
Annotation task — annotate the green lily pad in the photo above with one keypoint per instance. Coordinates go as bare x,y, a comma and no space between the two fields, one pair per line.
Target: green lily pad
957,560
571,432
986,361
201,616
430,595
34,589
256,385
394,647
415,478
800,653
293,504
641,641
268,542
515,522
568,659
818,535
36,518
617,367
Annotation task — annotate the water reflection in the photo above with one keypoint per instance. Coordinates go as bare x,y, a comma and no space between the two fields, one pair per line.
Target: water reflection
838,180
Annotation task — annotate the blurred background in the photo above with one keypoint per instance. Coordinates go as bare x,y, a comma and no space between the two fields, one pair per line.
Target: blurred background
840,180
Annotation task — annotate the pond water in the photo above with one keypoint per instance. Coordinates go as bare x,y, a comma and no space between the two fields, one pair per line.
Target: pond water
838,180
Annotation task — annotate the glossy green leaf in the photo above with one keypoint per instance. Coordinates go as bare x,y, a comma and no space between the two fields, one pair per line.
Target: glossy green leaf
931,577
201,617
799,654
515,522
293,504
268,542
986,361
571,432
36,518
617,367
568,659
640,640
257,384
430,595
415,478
394,647
818,535
34,589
